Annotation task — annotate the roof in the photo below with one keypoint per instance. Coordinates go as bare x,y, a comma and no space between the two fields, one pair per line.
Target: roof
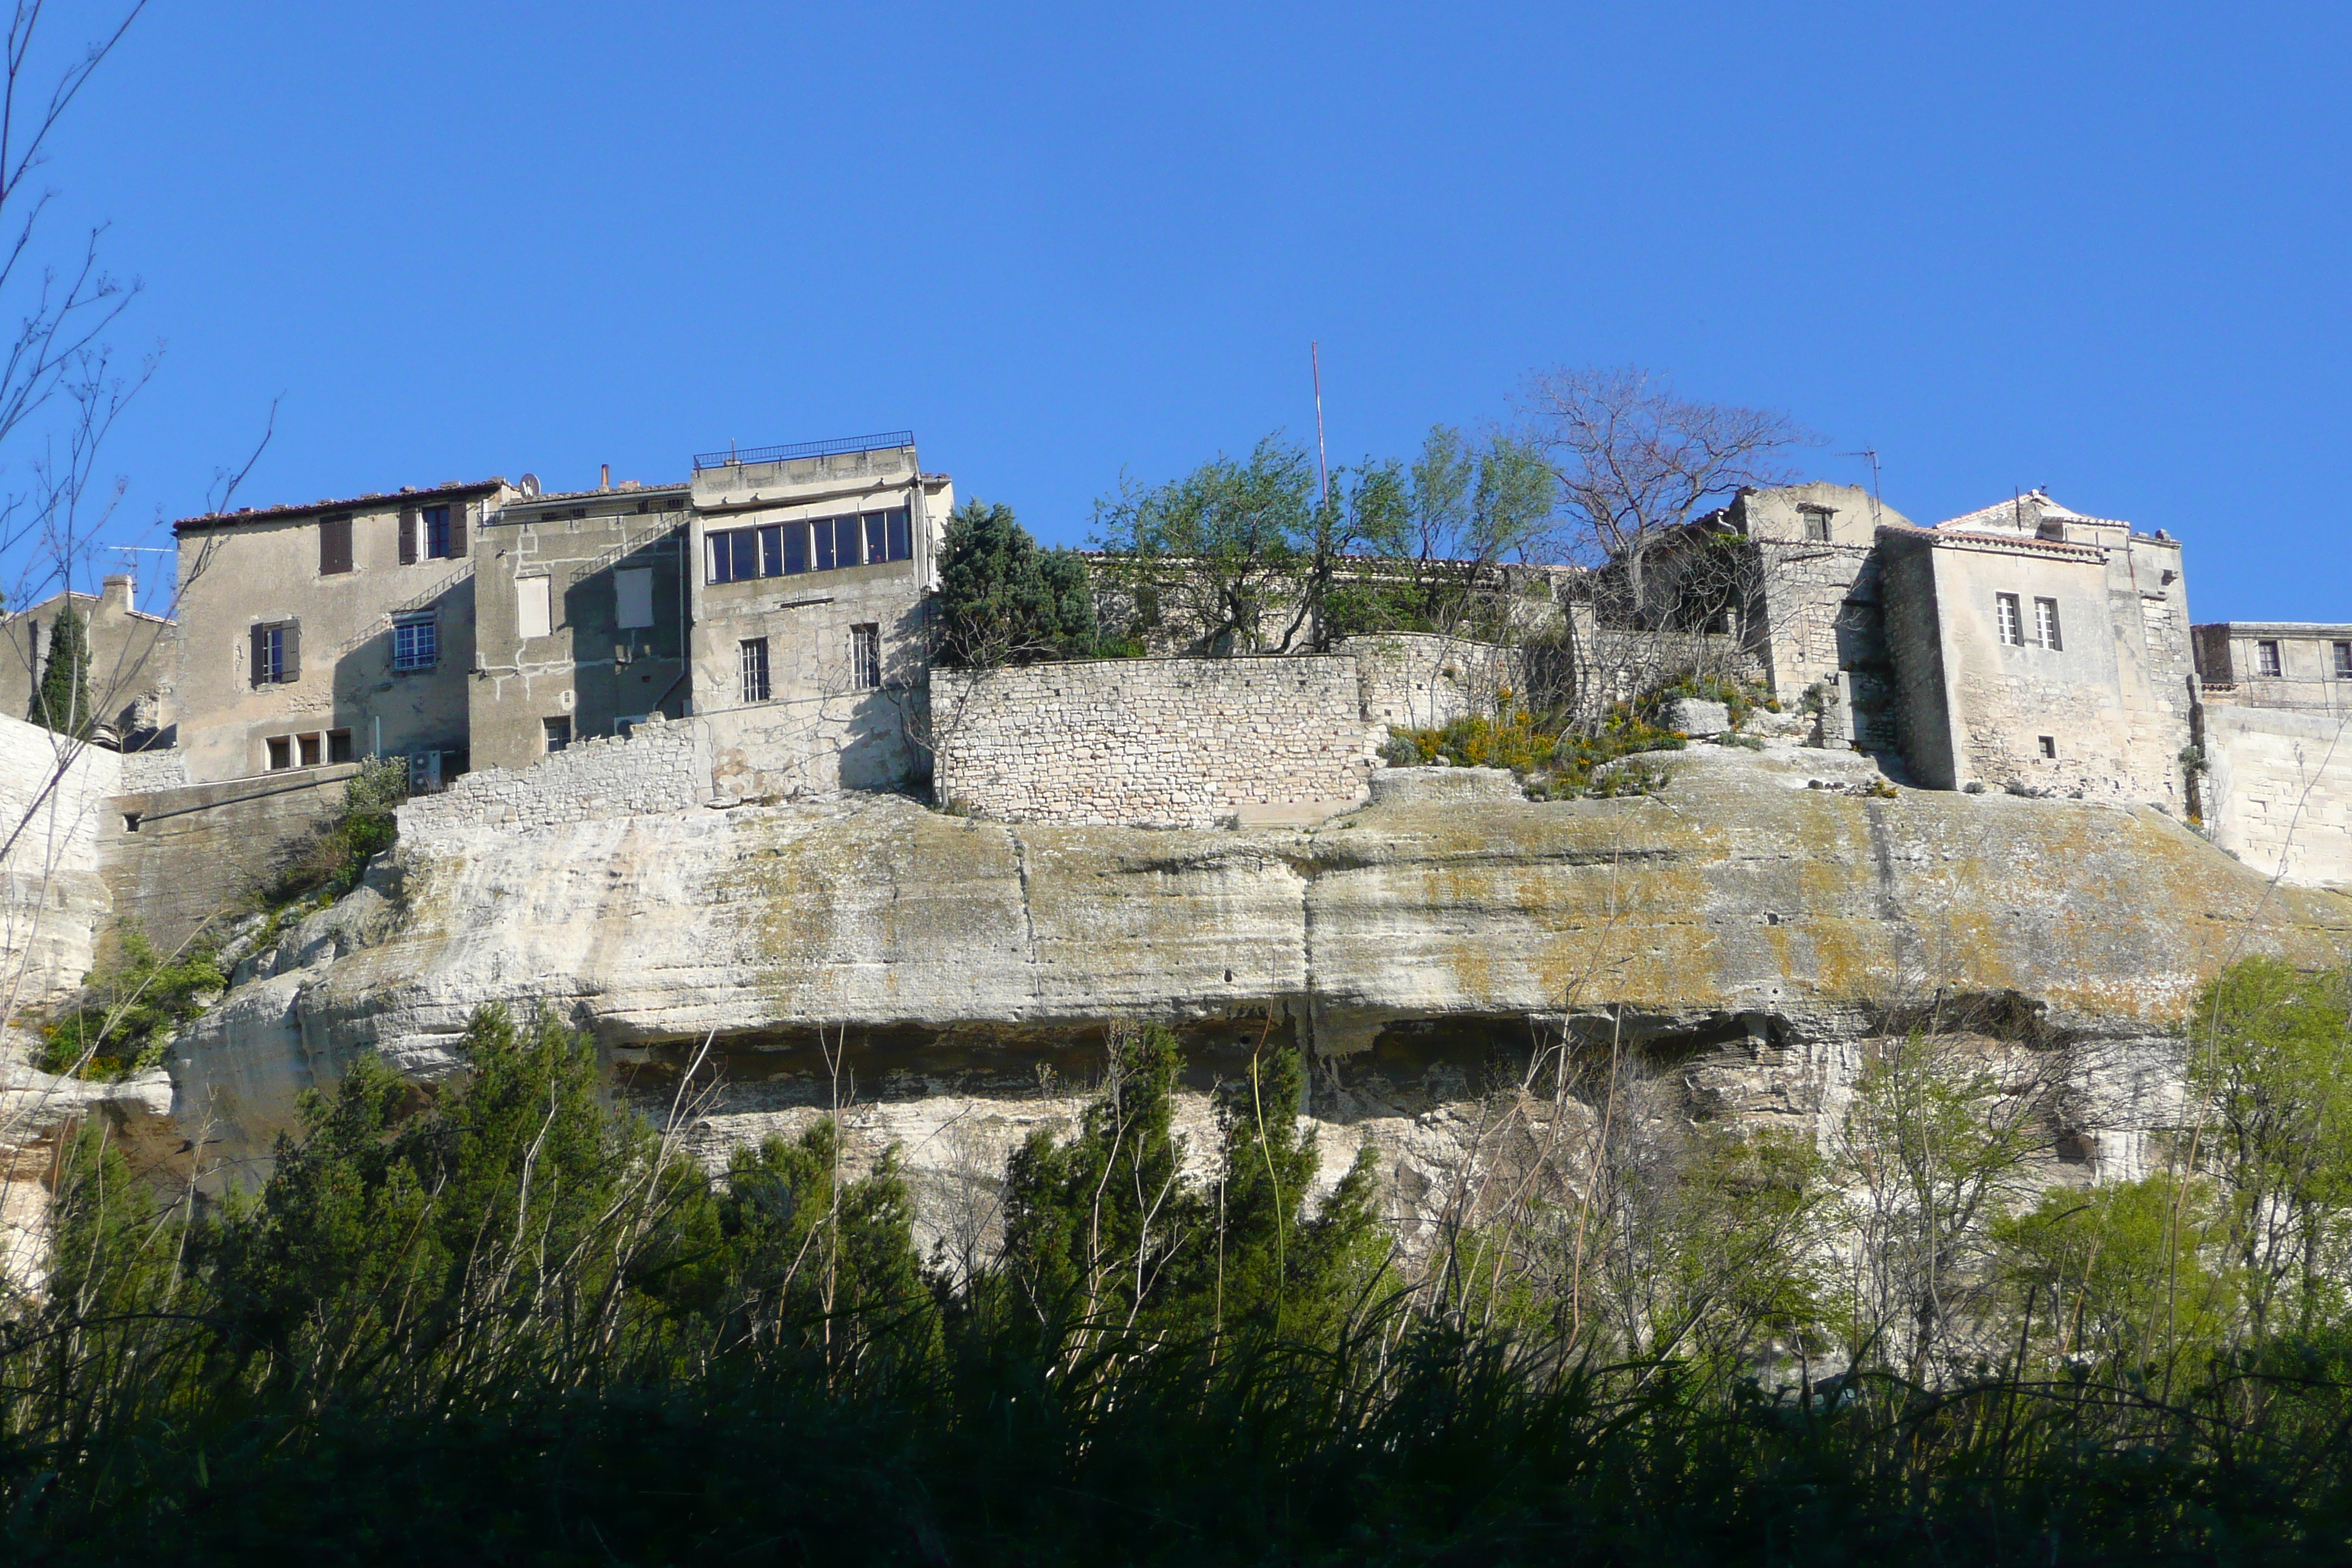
405,495
616,492
2023,514
2278,628
1945,534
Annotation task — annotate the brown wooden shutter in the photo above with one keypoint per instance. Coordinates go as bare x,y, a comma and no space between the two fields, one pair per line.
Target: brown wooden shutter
261,656
335,545
456,529
408,538
293,668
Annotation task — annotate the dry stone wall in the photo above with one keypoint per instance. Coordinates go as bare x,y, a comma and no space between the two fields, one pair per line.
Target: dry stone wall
661,766
1167,743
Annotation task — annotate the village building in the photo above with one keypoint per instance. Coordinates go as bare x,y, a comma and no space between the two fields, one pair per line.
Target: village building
131,657
581,607
2040,651
2274,745
811,647
316,634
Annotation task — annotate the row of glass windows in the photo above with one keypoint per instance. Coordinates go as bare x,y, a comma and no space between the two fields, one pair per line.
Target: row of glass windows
2268,662
2008,613
790,548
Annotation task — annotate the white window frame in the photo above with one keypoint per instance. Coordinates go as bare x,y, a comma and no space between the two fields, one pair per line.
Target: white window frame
411,650
754,676
2046,632
2008,618
2270,659
865,658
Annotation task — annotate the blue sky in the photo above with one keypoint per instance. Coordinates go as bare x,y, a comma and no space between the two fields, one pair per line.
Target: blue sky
2099,248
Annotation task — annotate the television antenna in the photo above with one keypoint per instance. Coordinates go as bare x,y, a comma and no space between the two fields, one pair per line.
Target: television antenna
1322,461
1876,506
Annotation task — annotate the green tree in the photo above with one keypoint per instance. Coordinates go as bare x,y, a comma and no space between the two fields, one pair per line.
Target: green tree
2274,1076
62,701
1215,555
2116,1273
1004,601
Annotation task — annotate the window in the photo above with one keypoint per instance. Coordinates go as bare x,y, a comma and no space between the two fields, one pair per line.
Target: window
425,772
339,745
557,733
1817,523
434,519
2050,747
865,658
311,749
822,544
2012,633
530,606
415,642
282,753
752,654
277,653
335,545
2344,662
2045,623
633,591
2266,657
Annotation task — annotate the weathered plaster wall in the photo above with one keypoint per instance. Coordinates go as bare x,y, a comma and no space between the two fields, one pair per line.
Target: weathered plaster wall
53,902
237,573
588,670
200,851
1173,742
2278,790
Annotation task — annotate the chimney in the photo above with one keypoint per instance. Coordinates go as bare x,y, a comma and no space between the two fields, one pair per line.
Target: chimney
604,482
117,591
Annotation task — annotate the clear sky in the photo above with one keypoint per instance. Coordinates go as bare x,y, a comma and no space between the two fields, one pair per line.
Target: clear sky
2096,247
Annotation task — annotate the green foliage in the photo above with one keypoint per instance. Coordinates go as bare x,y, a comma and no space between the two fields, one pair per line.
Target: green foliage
1554,761
2271,1066
329,861
1004,601
501,1321
2117,1274
61,700
130,1009
1740,699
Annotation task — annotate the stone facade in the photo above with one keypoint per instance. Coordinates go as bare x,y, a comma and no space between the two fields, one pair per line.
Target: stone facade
581,611
1416,680
2277,664
810,638
2278,789
661,766
1160,743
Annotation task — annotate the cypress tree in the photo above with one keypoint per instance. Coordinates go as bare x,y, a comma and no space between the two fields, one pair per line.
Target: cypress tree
62,699
1004,601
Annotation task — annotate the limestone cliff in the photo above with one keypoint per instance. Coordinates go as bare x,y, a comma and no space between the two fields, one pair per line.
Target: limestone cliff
1753,921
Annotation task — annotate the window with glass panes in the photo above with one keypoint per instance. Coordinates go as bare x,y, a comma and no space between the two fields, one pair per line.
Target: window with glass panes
817,544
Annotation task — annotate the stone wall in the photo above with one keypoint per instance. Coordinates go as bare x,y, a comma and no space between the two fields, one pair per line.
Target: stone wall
180,857
1173,742
661,766
2278,790
1415,680
53,797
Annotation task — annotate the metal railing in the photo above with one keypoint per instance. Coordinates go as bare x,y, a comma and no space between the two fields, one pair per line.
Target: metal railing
736,455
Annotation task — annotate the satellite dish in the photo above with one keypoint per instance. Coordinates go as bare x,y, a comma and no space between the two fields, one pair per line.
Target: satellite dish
529,487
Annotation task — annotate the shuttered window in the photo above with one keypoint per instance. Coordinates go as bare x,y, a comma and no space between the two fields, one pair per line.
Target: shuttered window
335,545
277,653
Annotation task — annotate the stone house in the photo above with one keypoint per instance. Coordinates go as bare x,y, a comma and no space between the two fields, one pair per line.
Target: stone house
580,619
810,645
315,634
2038,649
2275,734
131,657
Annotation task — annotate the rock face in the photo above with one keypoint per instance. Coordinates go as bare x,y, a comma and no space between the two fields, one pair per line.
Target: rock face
952,976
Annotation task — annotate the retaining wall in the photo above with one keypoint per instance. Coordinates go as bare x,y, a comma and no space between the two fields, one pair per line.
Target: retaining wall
198,851
2278,790
663,765
1172,742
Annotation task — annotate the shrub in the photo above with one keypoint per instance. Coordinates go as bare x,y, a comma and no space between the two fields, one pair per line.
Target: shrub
1554,763
129,1010
329,861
